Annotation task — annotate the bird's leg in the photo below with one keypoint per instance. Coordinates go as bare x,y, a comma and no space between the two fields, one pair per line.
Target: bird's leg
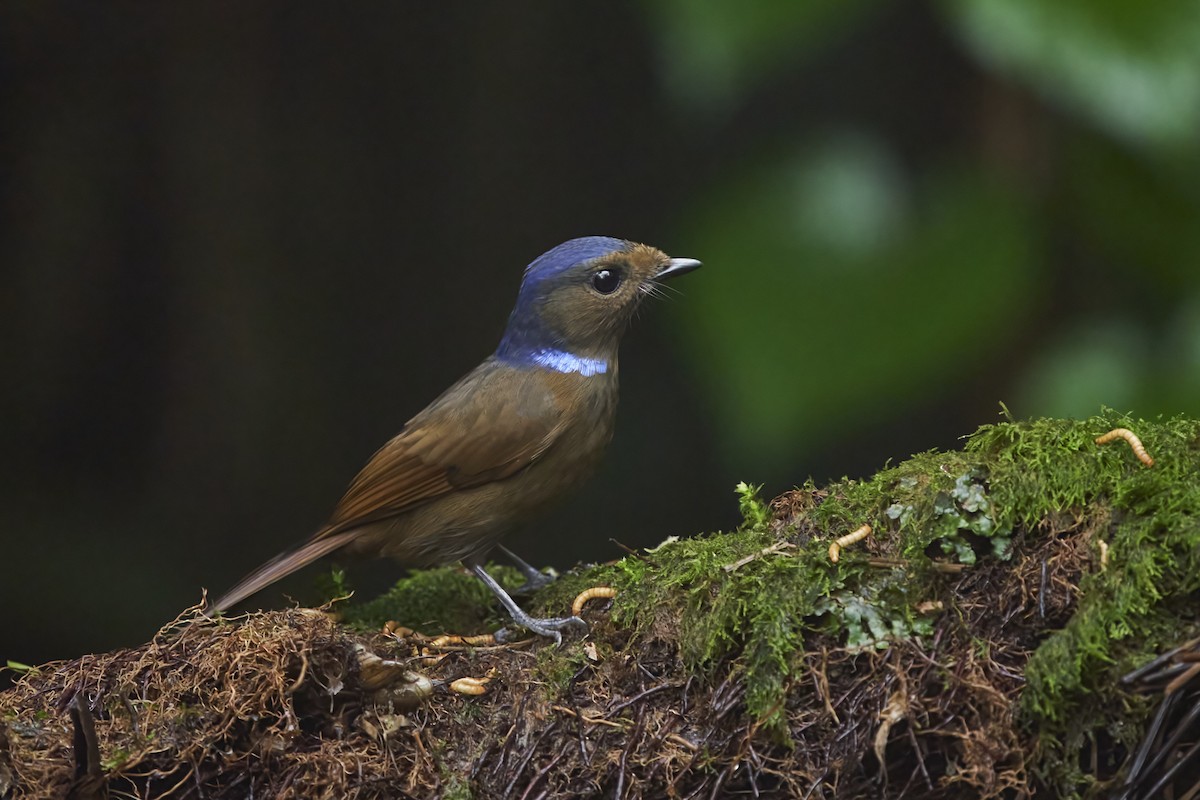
535,579
550,627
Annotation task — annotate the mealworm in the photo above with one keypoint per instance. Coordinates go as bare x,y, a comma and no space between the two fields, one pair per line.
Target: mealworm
448,640
1134,442
591,594
469,685
393,628
857,535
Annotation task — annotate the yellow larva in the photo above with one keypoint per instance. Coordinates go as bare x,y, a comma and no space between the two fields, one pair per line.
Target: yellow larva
856,535
1134,442
591,594
469,686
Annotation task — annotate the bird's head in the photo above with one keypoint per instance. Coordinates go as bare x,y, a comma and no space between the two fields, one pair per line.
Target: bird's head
576,300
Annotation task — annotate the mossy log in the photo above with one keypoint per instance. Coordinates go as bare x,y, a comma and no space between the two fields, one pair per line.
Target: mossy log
973,644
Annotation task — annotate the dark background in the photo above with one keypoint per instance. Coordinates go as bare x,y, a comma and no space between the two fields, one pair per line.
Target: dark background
242,243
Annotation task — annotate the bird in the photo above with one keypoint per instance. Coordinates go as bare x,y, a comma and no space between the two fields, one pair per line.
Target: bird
526,426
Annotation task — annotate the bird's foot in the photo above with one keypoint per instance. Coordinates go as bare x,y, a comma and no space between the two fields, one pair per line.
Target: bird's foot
534,583
550,627
535,579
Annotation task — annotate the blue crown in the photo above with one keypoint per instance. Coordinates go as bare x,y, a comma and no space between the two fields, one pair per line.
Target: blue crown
570,254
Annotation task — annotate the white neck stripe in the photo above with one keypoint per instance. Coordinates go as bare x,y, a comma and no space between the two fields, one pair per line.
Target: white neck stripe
562,361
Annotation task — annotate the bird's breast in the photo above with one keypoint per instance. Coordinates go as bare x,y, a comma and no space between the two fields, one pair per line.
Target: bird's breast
589,407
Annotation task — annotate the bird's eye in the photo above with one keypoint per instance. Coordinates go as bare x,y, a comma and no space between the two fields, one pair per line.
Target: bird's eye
606,281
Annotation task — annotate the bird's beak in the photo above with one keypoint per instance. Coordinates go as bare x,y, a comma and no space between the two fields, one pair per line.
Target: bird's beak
677,266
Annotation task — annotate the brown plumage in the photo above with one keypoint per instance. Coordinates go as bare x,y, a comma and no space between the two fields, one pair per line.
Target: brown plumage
528,424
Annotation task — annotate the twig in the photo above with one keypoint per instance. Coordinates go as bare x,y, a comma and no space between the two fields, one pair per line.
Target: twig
766,551
1179,682
628,550
303,671
585,718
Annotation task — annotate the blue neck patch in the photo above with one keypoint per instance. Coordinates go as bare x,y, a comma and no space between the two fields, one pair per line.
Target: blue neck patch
562,361
555,359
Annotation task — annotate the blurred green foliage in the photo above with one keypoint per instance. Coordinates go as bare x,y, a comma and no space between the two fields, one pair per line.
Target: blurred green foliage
1132,69
1058,244
936,271
714,51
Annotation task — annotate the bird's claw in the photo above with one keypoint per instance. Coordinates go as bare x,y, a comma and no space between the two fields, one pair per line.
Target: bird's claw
550,627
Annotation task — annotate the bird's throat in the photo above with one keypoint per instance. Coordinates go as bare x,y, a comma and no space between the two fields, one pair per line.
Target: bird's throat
528,342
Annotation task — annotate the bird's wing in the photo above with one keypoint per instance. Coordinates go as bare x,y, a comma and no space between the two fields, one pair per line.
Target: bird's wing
490,425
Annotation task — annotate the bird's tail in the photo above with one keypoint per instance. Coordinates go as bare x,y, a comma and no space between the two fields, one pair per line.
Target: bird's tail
280,567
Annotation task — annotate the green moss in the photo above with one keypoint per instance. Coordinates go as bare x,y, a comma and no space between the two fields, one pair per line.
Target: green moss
755,512
435,601
555,667
965,505
456,787
749,599
1132,610
1054,465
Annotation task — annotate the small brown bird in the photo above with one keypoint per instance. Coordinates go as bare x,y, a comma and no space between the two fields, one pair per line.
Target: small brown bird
522,428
